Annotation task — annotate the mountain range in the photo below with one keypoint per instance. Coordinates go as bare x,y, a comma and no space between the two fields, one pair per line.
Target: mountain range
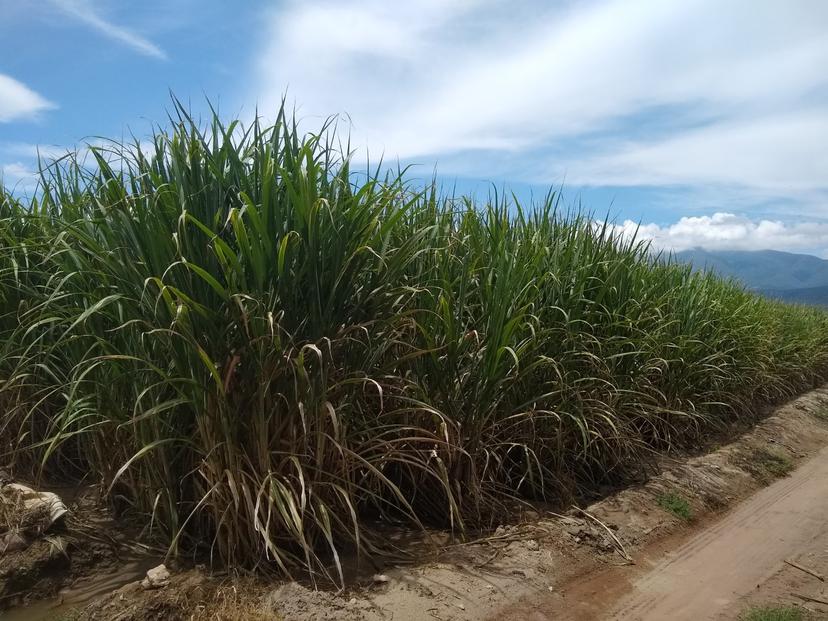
801,278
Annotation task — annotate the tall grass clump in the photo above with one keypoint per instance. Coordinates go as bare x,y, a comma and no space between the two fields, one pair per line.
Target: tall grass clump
266,355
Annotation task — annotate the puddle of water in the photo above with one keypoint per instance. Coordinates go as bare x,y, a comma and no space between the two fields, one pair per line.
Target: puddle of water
82,592
133,562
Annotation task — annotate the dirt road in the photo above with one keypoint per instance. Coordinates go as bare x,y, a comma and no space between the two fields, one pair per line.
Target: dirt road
725,567
703,577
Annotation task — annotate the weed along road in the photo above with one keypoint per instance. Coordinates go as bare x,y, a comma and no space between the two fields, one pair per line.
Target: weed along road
771,548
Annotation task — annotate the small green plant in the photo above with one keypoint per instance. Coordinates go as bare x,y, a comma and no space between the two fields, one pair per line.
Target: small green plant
774,463
820,414
677,505
773,613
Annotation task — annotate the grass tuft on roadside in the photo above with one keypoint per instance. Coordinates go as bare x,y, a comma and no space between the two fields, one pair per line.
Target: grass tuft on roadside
773,613
773,463
677,505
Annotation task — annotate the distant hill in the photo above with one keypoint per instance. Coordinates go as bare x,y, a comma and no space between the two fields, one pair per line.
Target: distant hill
792,277
808,295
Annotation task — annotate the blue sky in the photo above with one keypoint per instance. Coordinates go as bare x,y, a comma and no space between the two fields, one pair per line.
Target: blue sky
706,121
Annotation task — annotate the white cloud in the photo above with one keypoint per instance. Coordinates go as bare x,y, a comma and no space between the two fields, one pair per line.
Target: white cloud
727,231
20,171
779,154
16,170
17,176
701,91
84,11
18,101
32,151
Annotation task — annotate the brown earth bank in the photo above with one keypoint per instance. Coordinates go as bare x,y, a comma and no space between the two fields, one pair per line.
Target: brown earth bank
707,537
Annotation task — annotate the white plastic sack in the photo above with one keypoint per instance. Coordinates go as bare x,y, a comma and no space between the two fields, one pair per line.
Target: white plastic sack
47,502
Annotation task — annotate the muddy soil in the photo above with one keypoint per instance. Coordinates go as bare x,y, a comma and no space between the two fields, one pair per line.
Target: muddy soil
82,556
679,541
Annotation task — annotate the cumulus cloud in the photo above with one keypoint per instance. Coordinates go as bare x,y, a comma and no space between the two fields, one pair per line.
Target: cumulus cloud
85,12
652,92
18,101
727,231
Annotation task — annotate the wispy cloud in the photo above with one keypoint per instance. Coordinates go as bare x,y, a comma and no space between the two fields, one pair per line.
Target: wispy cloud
18,101
32,151
86,12
606,92
775,154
